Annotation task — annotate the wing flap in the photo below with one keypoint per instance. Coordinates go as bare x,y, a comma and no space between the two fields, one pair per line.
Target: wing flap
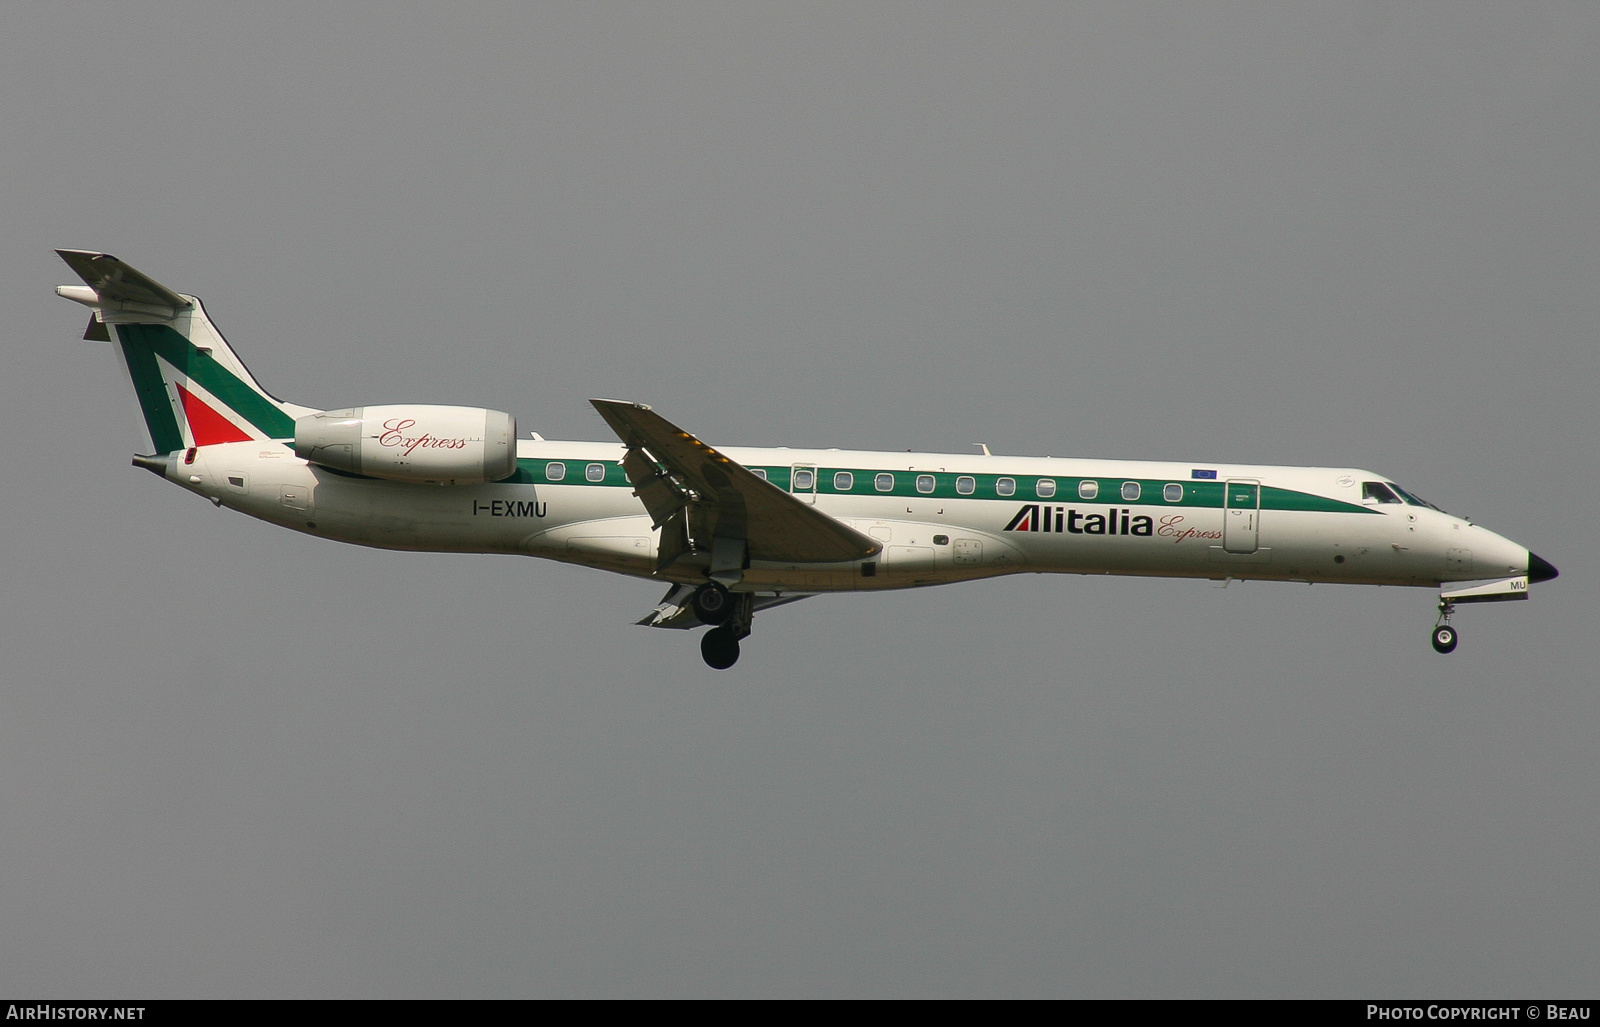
671,469
661,496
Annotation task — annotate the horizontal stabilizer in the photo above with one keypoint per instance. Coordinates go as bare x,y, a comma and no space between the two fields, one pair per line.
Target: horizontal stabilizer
119,286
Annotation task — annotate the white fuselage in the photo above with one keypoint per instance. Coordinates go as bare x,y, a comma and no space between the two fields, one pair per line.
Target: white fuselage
939,517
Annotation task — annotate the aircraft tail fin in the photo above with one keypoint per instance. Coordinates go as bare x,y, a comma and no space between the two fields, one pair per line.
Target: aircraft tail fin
193,389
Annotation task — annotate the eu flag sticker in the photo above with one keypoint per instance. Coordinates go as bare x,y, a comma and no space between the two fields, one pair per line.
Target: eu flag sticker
1206,475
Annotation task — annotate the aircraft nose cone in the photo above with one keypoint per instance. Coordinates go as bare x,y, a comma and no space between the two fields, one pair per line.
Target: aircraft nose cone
1540,569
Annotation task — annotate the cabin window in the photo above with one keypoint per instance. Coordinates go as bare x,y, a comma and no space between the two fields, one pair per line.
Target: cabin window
965,485
1172,493
1044,488
1005,487
1130,491
843,481
1088,489
1375,492
805,480
595,472
759,472
924,483
555,470
883,483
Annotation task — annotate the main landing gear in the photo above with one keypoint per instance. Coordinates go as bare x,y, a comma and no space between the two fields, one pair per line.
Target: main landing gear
719,648
729,615
712,603
1444,635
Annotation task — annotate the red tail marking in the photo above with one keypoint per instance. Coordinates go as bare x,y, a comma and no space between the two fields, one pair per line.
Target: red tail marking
208,426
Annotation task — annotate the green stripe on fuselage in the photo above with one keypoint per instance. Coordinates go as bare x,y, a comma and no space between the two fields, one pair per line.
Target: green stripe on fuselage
1108,491
532,472
1201,494
1273,498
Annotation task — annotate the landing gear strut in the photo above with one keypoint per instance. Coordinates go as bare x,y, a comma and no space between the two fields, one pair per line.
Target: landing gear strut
1445,636
719,647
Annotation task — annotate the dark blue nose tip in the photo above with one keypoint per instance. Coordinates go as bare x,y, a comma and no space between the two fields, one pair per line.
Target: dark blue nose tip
1540,569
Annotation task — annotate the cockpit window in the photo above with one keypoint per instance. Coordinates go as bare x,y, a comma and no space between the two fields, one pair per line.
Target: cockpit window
1414,500
1377,492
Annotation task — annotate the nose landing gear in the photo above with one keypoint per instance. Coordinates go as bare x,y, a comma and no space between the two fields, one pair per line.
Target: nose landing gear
1445,636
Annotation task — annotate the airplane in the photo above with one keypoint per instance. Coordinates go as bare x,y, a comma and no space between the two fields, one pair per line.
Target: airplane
733,531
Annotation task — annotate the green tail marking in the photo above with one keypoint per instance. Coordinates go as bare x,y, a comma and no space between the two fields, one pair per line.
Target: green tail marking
140,344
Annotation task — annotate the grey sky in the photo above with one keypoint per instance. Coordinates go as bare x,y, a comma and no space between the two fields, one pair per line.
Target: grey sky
240,762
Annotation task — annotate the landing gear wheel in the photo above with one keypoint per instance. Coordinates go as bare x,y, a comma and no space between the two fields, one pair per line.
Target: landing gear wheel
712,604
719,648
1445,639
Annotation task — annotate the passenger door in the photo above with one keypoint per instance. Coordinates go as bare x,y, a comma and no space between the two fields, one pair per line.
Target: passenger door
1241,516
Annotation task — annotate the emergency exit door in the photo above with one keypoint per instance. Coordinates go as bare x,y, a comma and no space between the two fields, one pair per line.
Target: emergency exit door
803,482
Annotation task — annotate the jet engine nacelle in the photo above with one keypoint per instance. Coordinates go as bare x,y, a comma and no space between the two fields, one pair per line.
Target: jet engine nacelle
445,445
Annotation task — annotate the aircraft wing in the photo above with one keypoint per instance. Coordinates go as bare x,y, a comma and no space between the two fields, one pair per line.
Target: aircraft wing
678,477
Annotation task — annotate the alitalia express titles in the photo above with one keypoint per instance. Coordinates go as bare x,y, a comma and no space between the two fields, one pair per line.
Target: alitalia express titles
1065,520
